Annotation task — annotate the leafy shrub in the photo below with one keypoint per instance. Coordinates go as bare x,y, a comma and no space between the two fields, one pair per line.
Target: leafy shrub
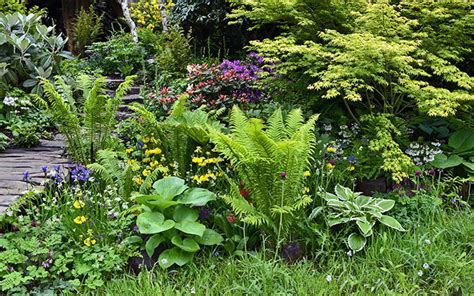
461,155
351,207
269,162
87,27
29,50
11,6
169,218
87,129
118,55
176,137
147,13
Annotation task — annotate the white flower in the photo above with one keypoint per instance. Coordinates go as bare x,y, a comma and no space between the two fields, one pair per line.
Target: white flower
426,265
349,253
420,273
193,291
328,278
427,241
124,206
10,101
9,213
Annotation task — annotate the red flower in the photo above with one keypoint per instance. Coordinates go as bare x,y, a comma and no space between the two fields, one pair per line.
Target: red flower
231,218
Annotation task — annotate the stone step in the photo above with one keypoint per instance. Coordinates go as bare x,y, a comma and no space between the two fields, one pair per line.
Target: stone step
132,98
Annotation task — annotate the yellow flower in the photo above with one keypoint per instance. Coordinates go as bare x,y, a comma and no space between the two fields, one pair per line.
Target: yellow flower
146,172
305,190
331,150
198,159
138,180
154,164
129,150
146,139
306,174
80,219
89,241
144,146
146,159
78,204
351,168
153,151
330,166
198,149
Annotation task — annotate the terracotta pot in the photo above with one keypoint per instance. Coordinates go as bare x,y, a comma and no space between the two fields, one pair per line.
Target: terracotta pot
370,187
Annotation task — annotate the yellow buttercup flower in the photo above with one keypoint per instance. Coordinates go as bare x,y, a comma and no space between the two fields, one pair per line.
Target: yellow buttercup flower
89,241
330,166
198,159
145,172
80,219
129,150
78,204
351,168
331,150
306,174
138,180
305,190
146,160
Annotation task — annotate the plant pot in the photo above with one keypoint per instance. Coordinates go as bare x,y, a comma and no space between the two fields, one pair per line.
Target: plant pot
370,187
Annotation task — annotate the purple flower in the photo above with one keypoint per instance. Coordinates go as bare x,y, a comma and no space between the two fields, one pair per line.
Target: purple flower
44,169
26,176
418,172
56,168
204,213
135,228
34,223
283,175
432,172
351,159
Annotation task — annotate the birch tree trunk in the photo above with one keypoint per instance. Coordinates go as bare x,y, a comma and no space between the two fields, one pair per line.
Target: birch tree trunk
164,19
128,19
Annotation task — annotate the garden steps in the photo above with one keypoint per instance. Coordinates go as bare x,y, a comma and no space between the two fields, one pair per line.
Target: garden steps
133,96
15,161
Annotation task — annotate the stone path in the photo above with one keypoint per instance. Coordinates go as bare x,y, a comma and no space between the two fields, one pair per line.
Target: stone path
15,161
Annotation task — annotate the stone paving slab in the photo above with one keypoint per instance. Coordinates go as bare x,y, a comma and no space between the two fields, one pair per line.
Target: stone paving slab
15,161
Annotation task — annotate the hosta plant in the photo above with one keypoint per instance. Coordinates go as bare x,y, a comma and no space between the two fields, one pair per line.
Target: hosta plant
358,212
171,221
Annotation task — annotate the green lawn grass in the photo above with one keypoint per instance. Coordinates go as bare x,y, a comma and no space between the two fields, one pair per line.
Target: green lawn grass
435,257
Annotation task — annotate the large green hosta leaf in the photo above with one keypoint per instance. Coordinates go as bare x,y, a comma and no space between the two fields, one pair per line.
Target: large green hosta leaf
169,187
153,222
190,227
209,238
356,242
187,244
391,222
197,197
174,256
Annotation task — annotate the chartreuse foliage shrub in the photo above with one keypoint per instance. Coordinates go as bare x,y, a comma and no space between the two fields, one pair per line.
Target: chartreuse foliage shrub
169,217
269,161
29,50
348,207
87,128
382,62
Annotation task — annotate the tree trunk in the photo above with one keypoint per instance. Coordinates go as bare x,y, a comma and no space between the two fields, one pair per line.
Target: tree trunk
128,19
164,18
70,8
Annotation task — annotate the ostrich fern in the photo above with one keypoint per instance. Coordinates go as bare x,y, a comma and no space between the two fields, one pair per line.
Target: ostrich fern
270,160
87,129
